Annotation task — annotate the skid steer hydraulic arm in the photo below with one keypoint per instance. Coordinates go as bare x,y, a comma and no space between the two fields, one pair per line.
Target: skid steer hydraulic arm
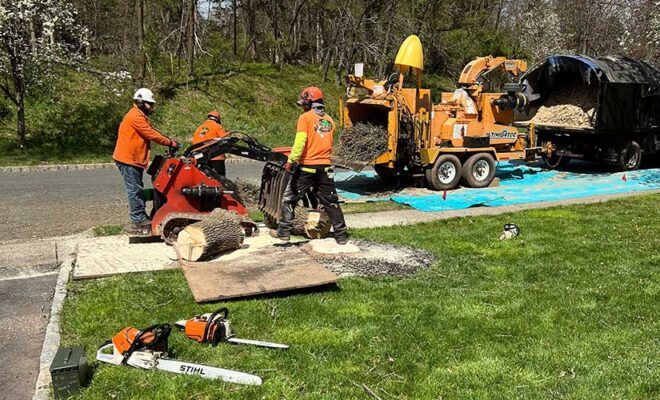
238,144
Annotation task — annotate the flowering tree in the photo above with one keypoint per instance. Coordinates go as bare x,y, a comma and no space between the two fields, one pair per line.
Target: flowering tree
35,36
641,38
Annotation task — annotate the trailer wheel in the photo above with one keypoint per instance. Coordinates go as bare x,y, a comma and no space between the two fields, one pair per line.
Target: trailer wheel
479,170
630,156
445,174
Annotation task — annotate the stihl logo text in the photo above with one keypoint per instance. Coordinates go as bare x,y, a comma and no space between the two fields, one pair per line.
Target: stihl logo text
189,369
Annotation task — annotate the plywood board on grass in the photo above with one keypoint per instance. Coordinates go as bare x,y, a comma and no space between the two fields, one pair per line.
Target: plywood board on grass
271,270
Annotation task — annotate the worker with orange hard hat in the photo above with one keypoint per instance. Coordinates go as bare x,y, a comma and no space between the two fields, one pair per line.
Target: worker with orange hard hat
212,128
311,152
132,153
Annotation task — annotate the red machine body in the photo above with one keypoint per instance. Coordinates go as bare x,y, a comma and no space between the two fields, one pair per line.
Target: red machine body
187,188
179,181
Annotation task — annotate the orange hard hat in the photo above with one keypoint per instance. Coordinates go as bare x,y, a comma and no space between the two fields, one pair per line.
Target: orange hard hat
309,95
215,114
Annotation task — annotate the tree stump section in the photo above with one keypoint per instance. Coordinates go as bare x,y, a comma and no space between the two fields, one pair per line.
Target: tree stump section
220,231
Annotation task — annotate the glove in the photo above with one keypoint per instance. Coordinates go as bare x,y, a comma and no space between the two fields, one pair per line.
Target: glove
288,166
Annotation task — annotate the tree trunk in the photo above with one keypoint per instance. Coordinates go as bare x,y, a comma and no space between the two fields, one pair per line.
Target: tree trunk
141,47
190,46
220,231
234,11
20,119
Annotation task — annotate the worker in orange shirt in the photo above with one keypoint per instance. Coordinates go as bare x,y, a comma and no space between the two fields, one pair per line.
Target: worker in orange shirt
311,150
132,153
212,128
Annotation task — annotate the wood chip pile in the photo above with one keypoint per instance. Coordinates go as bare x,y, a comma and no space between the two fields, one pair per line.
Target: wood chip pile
572,104
361,143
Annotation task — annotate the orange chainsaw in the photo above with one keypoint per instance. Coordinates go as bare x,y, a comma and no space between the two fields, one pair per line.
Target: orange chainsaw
147,349
214,328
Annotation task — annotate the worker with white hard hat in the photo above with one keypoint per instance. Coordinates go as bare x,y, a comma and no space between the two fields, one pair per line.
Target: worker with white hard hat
132,153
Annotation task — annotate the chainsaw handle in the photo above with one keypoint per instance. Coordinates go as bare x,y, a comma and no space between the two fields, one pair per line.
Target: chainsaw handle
209,321
158,330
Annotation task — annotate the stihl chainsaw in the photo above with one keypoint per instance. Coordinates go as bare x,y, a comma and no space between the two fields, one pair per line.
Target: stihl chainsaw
214,328
147,349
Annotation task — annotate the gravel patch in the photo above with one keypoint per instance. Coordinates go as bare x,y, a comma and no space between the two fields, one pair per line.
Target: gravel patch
376,259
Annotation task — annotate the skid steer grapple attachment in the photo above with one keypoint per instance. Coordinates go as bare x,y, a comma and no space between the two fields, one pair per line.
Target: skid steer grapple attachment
274,181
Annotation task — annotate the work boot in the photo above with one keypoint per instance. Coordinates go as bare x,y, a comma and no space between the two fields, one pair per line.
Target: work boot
342,240
275,234
141,227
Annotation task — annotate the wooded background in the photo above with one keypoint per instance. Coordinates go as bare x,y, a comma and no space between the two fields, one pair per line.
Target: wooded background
335,34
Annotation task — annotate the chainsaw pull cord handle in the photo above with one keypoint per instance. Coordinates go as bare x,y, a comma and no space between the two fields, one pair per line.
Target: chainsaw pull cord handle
158,330
209,322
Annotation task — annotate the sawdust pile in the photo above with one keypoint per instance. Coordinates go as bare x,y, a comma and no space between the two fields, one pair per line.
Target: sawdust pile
361,143
378,259
572,104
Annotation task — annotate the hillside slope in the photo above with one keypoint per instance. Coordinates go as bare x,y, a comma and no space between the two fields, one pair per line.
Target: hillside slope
77,120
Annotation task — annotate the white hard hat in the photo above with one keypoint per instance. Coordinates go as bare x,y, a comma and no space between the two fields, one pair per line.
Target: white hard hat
144,94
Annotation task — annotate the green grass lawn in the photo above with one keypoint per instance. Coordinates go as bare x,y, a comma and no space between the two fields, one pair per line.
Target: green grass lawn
568,310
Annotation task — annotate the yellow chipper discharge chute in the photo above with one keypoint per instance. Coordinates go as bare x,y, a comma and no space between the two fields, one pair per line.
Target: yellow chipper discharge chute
410,57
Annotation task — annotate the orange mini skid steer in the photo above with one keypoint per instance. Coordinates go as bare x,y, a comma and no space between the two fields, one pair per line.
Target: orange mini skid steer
186,188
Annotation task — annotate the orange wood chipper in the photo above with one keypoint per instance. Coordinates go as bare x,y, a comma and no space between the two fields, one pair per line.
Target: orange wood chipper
458,140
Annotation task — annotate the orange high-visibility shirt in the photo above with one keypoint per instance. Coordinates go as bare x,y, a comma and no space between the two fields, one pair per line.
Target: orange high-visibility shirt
134,139
209,130
318,146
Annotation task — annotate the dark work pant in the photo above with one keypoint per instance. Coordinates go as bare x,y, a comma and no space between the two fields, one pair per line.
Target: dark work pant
219,167
323,187
135,190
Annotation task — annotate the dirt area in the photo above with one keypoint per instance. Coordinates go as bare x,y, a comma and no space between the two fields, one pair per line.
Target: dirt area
572,104
375,259
247,192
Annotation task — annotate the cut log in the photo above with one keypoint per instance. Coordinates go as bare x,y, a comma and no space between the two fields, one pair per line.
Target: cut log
317,225
220,231
309,223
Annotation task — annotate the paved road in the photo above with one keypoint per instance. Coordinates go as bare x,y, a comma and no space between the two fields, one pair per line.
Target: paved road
57,203
24,311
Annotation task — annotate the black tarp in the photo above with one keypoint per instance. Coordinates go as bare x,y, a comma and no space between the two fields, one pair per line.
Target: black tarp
629,90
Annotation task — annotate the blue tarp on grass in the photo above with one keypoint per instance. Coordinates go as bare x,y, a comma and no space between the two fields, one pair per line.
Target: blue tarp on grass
519,183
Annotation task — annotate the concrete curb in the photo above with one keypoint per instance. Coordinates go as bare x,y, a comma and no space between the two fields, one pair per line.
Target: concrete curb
56,167
79,167
52,338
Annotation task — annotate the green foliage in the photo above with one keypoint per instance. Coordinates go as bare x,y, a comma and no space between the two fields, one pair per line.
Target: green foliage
78,120
566,310
107,230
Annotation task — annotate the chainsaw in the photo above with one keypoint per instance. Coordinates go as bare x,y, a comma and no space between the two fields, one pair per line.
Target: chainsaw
147,349
214,328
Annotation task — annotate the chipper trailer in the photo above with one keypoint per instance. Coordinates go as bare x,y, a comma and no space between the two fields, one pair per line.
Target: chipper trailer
458,140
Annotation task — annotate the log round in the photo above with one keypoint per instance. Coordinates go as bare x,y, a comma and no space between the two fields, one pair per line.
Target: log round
220,231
